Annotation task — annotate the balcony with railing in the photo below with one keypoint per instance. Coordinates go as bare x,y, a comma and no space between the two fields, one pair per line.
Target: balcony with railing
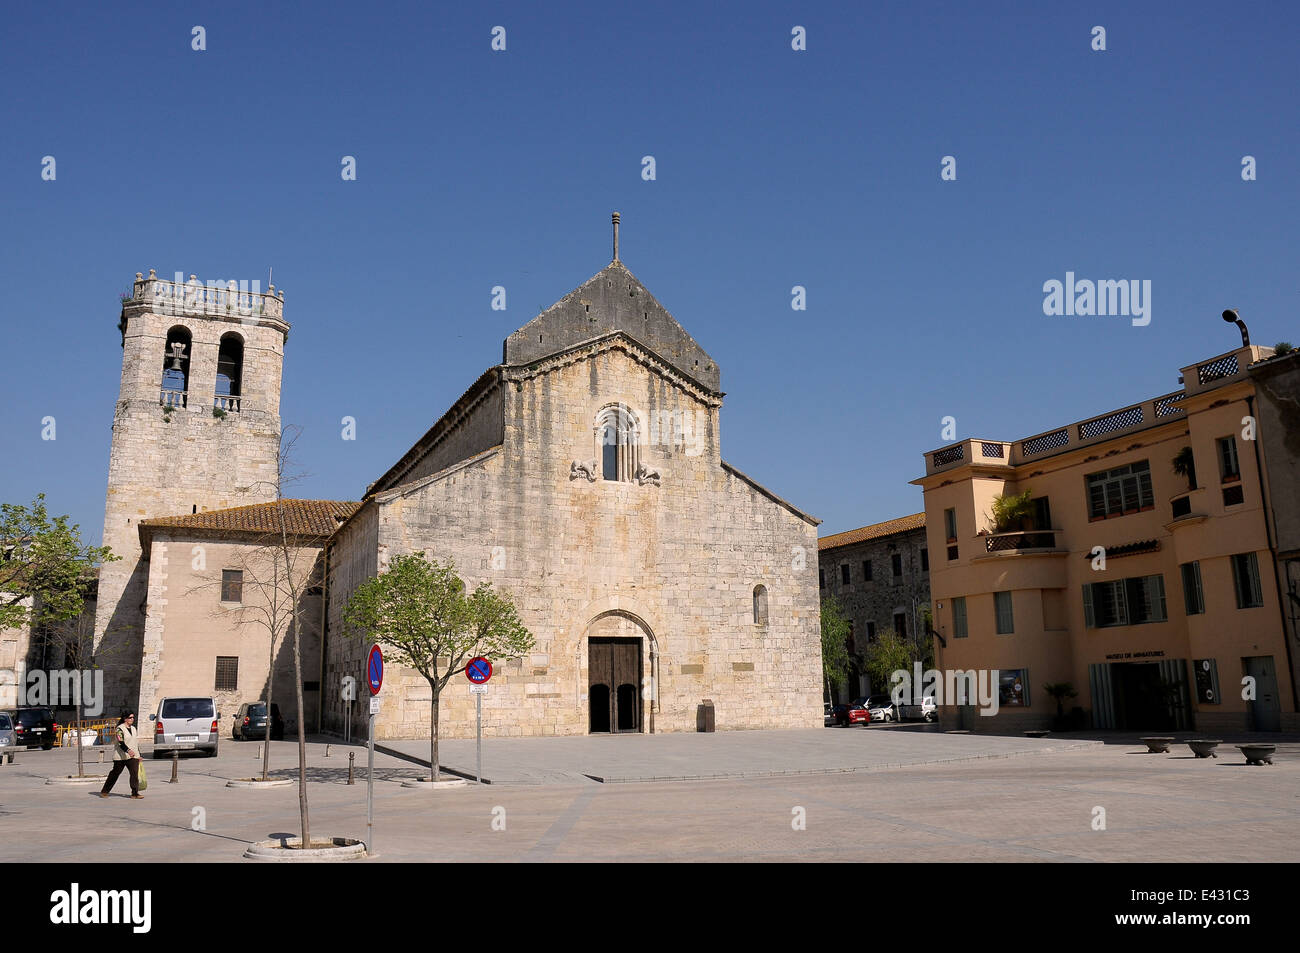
173,399
226,404
1015,541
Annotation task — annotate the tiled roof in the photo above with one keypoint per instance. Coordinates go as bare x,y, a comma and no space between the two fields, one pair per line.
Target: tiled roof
302,518
875,531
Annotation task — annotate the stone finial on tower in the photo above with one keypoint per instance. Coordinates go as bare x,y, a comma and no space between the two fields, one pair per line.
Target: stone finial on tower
616,236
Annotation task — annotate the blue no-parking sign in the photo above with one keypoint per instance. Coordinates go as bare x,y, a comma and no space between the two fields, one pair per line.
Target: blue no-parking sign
375,670
479,670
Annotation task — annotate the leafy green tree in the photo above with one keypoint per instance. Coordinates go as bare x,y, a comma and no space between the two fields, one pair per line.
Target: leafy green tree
43,566
835,644
418,609
890,653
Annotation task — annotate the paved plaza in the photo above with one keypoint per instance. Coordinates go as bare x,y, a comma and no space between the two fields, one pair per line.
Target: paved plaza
946,798
692,756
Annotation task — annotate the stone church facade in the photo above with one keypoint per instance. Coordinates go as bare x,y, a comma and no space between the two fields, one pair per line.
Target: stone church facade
582,476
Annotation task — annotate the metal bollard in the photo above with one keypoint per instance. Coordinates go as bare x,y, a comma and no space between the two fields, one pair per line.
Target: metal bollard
101,755
176,760
259,753
351,757
327,751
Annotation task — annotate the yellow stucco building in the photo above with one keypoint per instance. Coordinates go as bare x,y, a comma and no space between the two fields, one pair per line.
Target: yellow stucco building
1143,573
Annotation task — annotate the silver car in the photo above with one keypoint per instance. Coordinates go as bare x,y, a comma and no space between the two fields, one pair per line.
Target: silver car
185,724
7,739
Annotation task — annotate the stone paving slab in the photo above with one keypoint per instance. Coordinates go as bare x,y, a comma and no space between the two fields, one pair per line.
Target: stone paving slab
713,756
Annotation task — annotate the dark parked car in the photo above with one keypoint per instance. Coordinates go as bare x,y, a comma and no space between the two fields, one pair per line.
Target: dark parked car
250,722
34,727
837,715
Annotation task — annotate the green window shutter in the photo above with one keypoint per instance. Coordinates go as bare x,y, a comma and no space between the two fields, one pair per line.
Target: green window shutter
1156,594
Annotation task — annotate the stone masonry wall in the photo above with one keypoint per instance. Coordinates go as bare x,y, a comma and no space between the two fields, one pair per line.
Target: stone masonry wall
676,563
192,462
188,626
876,601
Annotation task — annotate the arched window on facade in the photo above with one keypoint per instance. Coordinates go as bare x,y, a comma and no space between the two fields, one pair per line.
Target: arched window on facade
760,605
230,373
617,443
176,368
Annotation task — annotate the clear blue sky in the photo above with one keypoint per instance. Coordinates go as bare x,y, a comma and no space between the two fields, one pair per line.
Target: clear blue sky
775,168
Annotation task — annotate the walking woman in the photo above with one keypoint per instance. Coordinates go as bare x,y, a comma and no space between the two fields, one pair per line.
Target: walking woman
126,754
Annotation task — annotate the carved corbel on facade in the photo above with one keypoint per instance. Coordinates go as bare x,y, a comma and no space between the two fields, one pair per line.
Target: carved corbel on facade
646,475
583,468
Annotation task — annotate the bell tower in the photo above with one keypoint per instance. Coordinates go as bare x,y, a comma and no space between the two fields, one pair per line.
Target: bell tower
196,427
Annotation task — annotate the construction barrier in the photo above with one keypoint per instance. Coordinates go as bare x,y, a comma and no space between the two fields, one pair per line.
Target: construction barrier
93,732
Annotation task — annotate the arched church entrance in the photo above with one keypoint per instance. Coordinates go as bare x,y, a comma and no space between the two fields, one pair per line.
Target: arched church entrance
616,643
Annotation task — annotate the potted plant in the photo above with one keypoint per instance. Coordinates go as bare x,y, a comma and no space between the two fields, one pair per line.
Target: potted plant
1185,466
1011,511
1060,691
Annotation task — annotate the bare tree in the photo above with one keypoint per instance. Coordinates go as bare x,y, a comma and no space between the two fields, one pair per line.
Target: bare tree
285,585
271,581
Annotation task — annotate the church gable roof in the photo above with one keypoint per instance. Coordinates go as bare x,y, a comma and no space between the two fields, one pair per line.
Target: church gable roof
612,300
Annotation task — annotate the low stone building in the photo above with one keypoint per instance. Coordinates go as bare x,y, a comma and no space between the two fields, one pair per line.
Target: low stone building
220,584
880,576
583,476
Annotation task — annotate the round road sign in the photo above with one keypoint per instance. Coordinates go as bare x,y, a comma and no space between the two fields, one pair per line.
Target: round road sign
479,670
375,670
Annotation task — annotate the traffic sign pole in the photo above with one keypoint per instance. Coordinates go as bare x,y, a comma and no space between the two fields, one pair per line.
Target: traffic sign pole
478,671
374,679
370,790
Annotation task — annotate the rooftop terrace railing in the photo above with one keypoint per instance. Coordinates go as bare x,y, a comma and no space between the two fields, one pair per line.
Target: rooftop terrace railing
1214,372
242,298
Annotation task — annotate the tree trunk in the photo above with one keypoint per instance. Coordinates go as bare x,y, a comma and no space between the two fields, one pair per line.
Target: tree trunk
433,736
302,737
270,683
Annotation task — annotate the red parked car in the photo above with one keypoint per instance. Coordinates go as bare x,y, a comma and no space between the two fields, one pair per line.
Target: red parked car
858,712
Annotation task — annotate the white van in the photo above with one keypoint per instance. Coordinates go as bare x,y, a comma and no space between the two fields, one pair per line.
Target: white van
185,724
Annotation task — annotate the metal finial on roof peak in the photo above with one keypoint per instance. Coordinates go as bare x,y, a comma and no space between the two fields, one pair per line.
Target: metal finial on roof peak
615,220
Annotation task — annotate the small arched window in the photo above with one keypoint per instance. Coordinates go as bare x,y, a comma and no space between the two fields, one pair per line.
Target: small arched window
617,439
230,372
760,605
176,368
